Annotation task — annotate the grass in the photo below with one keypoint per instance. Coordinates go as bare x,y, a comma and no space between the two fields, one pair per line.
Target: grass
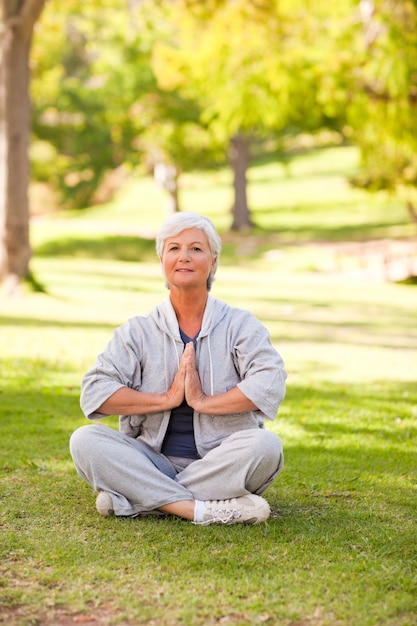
340,546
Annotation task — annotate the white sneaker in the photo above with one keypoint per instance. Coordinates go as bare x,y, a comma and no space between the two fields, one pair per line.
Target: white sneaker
248,509
104,504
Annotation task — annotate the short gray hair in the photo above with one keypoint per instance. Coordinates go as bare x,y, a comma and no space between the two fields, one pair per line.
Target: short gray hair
183,220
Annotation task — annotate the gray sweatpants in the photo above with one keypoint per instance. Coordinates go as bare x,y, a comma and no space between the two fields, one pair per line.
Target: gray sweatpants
139,479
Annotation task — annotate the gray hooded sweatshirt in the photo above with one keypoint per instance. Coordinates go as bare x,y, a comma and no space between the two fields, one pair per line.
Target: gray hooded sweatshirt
233,349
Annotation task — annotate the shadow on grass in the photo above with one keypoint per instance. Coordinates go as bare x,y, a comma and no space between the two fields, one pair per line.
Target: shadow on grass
36,424
131,249
362,428
380,411
411,280
235,244
344,494
111,247
316,231
29,322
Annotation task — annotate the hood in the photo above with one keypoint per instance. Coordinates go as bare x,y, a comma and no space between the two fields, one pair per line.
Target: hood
165,318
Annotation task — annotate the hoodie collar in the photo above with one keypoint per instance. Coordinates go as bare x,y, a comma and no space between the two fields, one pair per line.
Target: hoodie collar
166,319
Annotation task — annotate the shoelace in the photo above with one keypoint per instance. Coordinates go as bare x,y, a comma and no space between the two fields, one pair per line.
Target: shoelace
223,516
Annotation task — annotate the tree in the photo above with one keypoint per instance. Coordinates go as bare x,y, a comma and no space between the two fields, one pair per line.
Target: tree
173,139
383,106
91,67
18,19
97,106
254,68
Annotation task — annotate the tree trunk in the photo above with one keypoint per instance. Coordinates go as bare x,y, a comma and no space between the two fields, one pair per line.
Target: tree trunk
370,26
18,19
412,211
239,160
172,203
166,176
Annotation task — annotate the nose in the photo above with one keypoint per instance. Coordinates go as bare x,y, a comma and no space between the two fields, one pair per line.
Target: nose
184,254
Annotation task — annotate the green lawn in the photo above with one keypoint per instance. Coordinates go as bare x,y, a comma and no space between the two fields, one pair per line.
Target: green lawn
340,546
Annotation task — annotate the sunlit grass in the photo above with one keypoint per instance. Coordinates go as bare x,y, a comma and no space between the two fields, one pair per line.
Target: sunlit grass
339,548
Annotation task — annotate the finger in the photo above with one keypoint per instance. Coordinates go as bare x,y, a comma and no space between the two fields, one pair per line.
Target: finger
189,354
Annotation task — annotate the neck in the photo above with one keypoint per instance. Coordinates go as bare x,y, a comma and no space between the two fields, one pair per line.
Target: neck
188,303
189,309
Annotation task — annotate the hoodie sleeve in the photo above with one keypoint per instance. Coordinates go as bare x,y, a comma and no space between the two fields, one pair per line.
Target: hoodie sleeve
116,367
260,366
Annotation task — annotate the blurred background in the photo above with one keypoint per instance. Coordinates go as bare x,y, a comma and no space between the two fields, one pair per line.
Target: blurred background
129,90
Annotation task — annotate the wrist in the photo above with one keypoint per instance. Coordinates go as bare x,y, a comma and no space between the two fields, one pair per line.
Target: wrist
201,404
169,401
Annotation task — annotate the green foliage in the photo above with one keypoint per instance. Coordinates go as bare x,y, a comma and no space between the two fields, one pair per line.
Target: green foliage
382,112
173,82
221,61
97,104
87,80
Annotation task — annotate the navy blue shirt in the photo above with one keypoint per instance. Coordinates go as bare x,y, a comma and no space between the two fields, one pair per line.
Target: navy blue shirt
179,438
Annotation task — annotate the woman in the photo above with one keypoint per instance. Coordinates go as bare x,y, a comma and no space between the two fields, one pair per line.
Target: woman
192,382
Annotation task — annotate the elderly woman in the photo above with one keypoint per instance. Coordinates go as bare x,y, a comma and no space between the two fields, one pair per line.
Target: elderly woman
192,382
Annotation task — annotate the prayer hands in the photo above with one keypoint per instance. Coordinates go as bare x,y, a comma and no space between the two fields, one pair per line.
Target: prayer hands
192,387
186,383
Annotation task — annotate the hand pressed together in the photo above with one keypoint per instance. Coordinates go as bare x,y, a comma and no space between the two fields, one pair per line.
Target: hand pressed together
192,385
186,383
231,401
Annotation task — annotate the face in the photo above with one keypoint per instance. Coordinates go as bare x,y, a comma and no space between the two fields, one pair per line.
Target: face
187,260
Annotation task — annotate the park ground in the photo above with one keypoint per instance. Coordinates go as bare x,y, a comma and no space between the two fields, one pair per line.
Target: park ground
329,270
